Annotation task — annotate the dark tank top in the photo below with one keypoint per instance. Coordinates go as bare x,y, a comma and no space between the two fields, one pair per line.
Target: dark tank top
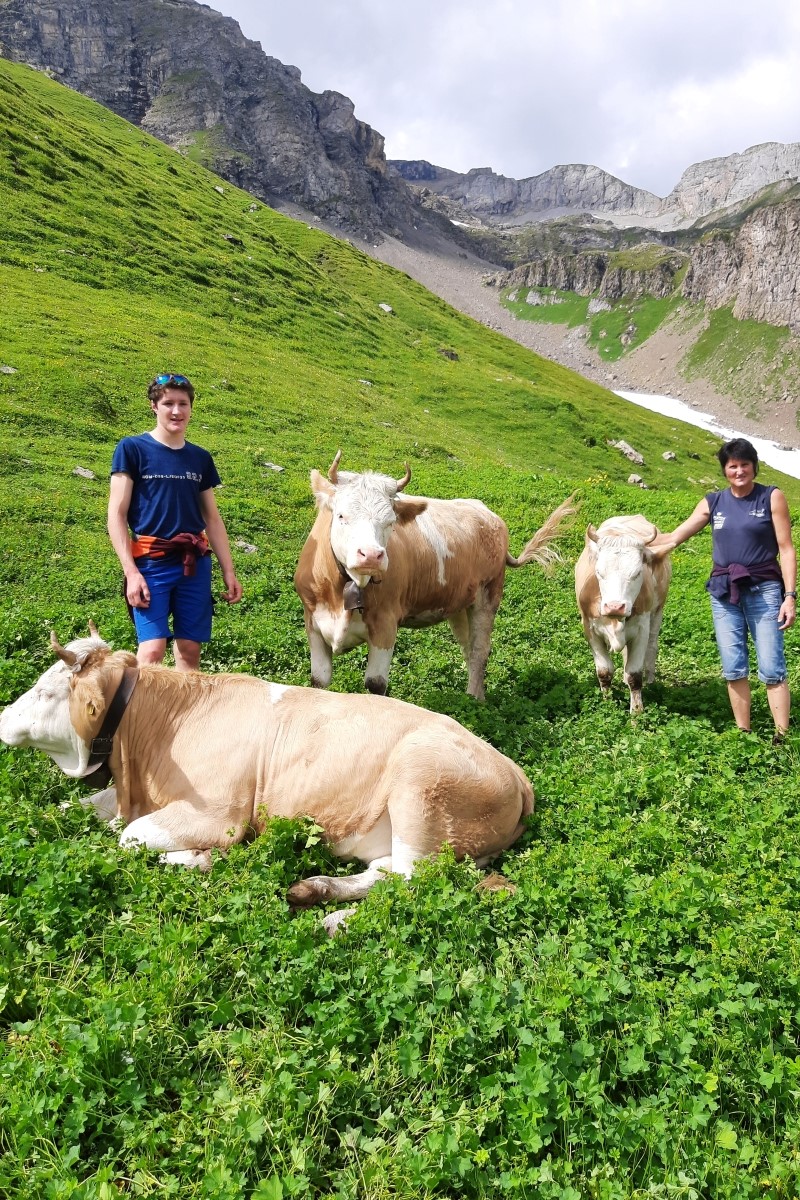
741,529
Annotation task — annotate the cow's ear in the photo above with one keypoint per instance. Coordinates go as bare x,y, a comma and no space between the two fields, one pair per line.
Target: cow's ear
408,510
323,490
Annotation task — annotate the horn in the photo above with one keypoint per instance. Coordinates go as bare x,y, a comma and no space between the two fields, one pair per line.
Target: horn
333,469
67,656
93,629
591,533
404,482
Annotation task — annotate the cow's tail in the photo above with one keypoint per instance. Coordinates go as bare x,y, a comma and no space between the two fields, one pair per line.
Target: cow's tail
540,548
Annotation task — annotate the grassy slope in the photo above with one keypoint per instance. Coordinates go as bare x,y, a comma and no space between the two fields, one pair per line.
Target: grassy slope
627,1020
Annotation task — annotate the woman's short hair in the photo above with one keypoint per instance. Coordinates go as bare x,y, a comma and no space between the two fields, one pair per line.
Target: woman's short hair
738,448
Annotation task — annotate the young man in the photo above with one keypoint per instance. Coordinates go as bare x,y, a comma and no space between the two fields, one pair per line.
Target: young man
163,488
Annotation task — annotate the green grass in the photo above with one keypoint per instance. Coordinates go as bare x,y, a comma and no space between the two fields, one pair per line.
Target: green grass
559,308
626,1023
634,318
753,361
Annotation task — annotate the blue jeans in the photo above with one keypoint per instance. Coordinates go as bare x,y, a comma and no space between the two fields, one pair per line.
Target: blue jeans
756,613
186,597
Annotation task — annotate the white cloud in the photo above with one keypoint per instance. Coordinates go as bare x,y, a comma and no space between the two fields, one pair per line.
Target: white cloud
642,88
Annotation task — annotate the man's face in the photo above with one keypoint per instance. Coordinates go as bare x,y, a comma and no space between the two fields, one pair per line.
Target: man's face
172,412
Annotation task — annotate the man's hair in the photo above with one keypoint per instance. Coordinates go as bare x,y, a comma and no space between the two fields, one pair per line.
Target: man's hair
738,448
156,390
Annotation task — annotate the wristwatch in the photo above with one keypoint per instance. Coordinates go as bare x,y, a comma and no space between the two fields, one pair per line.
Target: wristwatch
791,595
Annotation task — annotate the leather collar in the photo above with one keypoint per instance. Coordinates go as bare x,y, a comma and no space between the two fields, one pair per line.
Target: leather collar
102,745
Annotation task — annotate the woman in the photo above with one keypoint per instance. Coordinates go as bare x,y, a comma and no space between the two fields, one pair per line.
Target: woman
751,590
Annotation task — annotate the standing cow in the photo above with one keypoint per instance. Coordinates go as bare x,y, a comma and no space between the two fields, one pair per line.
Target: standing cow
621,585
376,560
202,761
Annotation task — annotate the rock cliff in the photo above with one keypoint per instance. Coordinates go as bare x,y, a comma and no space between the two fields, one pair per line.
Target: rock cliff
754,270
609,276
187,74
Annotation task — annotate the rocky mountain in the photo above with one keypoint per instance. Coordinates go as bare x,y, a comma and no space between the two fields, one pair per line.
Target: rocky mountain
702,189
517,201
187,74
752,269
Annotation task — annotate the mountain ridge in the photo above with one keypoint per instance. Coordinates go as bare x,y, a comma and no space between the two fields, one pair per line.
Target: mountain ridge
703,188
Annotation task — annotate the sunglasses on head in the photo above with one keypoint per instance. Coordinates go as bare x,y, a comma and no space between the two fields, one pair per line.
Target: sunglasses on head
164,380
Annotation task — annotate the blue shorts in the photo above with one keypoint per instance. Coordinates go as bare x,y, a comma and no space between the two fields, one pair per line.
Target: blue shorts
186,597
756,613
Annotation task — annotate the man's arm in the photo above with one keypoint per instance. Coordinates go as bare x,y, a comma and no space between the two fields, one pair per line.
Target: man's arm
783,532
119,501
218,537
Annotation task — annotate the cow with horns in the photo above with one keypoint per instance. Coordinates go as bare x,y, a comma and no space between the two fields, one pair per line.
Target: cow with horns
621,583
376,560
203,761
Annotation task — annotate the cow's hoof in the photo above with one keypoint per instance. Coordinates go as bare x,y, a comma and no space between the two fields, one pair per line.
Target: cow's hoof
306,892
376,686
336,922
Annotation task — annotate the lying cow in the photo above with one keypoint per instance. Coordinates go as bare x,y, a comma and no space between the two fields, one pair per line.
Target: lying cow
376,560
621,584
202,761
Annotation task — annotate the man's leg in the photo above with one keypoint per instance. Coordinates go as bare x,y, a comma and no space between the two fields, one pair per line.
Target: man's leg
192,610
151,651
187,654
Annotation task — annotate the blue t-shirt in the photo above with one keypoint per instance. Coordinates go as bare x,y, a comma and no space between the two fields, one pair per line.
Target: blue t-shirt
741,529
166,485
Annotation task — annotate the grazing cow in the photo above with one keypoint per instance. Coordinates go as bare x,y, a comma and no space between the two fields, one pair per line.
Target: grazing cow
376,560
621,584
202,761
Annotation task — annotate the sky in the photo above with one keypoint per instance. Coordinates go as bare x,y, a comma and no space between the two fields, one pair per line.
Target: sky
641,88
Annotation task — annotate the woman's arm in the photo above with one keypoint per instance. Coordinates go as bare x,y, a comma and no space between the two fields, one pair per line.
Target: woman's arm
697,521
782,525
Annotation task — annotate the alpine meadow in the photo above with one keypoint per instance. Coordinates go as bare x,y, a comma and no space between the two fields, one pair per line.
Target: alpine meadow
622,1018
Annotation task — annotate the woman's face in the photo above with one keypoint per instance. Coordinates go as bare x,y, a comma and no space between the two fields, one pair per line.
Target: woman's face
740,473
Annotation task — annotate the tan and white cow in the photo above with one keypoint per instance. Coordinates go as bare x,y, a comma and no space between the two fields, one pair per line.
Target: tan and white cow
376,560
621,584
202,761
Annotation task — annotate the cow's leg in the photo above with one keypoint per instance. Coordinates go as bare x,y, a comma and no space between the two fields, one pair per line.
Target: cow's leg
199,860
321,658
381,637
603,662
459,623
652,645
320,888
633,657
104,804
180,826
376,678
481,622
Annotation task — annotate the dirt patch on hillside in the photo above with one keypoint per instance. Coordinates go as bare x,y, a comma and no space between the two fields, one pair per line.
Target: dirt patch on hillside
461,280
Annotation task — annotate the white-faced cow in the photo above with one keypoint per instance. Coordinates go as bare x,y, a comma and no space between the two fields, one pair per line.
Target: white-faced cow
376,560
202,761
621,585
